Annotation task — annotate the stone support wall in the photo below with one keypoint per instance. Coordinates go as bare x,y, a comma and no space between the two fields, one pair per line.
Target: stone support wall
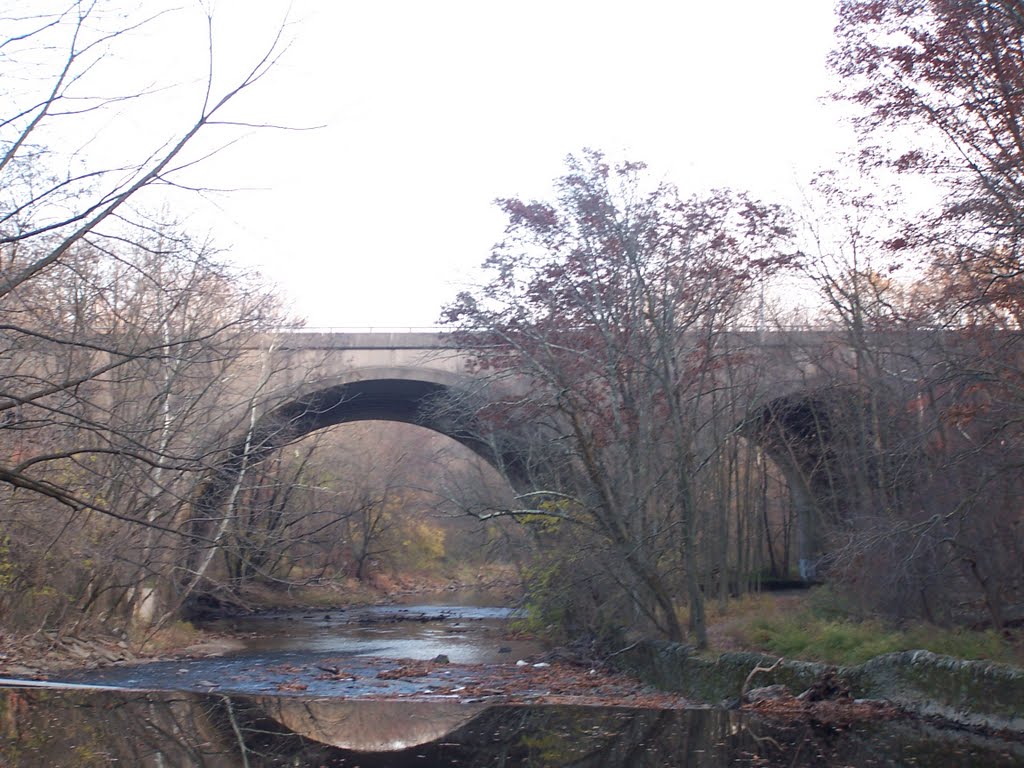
970,693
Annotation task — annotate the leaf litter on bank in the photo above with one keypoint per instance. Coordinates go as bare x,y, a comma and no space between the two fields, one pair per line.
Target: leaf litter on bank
507,683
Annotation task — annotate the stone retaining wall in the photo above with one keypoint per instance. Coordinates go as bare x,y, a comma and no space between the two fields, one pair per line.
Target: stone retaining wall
976,693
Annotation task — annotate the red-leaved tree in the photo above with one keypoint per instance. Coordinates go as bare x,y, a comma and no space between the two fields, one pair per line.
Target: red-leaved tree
939,87
615,303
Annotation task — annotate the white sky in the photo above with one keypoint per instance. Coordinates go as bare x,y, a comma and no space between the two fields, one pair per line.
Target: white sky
433,109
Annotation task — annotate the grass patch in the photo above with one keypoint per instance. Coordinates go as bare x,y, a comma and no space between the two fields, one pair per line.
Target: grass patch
837,642
819,628
849,641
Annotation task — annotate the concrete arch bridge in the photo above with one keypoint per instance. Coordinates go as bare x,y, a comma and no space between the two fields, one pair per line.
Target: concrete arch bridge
313,380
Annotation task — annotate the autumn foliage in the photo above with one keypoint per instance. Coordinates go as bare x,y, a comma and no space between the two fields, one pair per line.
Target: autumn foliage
937,88
614,301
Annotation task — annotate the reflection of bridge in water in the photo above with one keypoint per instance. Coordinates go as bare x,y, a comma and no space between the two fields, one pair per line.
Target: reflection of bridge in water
371,726
221,731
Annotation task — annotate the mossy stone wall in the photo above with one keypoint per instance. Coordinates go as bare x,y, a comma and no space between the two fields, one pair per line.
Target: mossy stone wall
975,693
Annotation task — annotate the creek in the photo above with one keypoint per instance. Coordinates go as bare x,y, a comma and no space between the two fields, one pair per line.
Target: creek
321,688
281,647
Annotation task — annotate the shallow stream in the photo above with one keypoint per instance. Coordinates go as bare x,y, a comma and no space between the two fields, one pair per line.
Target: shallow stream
281,647
308,690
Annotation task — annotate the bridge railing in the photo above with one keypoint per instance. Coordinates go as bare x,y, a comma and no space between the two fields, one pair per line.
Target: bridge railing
791,328
364,329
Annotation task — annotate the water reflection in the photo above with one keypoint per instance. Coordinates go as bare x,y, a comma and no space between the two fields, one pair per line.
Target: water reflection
371,726
81,728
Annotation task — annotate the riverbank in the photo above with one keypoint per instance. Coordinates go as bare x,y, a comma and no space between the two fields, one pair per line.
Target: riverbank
812,625
807,656
43,653
819,625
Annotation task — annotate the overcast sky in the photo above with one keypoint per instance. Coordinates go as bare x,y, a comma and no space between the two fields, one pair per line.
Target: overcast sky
430,110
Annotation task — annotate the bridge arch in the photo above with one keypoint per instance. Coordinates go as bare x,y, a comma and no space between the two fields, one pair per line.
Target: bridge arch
400,394
406,395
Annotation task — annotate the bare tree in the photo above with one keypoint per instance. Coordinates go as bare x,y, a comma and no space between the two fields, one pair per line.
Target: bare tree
120,337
